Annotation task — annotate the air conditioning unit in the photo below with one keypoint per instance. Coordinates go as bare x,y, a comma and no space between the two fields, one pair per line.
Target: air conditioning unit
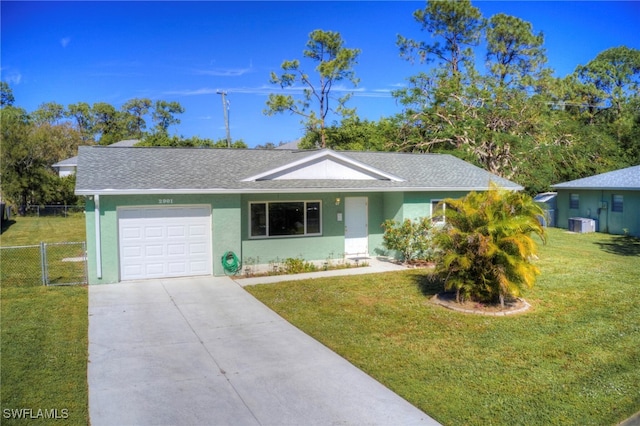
582,225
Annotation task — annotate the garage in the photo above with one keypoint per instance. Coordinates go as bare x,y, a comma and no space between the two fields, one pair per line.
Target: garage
163,241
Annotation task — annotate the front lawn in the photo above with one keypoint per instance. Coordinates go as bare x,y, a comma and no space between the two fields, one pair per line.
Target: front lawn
574,358
22,231
44,336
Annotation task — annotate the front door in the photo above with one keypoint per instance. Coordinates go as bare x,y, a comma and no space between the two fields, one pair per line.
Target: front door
356,239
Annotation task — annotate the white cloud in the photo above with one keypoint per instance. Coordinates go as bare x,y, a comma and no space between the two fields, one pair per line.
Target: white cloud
64,42
11,76
262,90
223,72
266,90
192,92
374,93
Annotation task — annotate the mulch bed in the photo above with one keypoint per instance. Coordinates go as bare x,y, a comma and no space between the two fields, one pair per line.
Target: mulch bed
512,306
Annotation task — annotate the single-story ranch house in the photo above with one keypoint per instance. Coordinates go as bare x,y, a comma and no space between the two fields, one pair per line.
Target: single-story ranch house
611,199
165,212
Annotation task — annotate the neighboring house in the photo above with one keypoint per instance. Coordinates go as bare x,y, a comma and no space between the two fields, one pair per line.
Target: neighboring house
289,145
611,199
68,167
163,212
124,144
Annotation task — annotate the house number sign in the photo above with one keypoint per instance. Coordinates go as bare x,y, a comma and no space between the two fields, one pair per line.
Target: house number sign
165,201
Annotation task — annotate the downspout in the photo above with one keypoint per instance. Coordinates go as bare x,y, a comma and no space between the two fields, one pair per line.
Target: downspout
606,211
96,203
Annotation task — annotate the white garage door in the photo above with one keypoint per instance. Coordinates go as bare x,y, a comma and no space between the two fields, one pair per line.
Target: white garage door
157,242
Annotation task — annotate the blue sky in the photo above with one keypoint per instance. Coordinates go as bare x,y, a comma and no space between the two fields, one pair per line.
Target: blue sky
111,52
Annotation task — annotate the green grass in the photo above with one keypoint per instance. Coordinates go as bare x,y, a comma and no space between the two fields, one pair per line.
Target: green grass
574,358
22,231
44,333
21,266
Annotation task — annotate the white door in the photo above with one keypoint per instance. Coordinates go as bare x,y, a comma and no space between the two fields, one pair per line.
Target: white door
158,242
356,238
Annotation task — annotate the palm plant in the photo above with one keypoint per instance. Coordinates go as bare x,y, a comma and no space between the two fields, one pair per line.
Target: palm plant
487,246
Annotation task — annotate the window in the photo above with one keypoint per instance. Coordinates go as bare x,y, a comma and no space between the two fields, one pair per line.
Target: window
437,211
617,202
279,219
574,201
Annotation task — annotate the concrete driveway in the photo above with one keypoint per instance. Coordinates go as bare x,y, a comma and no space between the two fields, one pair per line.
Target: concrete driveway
203,351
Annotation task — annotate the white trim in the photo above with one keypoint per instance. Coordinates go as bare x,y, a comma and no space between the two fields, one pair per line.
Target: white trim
267,236
325,153
96,212
178,191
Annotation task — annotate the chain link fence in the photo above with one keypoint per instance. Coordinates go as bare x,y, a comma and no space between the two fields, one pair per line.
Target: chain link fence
44,264
51,210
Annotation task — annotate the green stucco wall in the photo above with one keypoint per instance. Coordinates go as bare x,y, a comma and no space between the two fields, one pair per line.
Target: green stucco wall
225,223
400,206
328,245
591,205
230,225
418,204
392,208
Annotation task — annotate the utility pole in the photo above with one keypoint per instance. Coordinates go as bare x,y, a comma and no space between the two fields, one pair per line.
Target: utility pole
225,109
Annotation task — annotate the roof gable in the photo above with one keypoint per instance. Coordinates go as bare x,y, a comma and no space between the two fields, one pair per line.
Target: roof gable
325,165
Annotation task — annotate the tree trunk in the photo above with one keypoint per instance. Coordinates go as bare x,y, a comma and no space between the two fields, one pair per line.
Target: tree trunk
22,209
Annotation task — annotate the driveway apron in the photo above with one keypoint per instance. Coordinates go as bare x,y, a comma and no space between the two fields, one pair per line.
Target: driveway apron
204,351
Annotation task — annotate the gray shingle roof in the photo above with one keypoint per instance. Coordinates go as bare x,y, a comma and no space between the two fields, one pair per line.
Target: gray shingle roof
73,161
289,145
128,143
623,179
103,170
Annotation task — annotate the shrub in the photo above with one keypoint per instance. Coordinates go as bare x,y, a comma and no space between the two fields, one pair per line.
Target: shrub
295,265
411,239
487,246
